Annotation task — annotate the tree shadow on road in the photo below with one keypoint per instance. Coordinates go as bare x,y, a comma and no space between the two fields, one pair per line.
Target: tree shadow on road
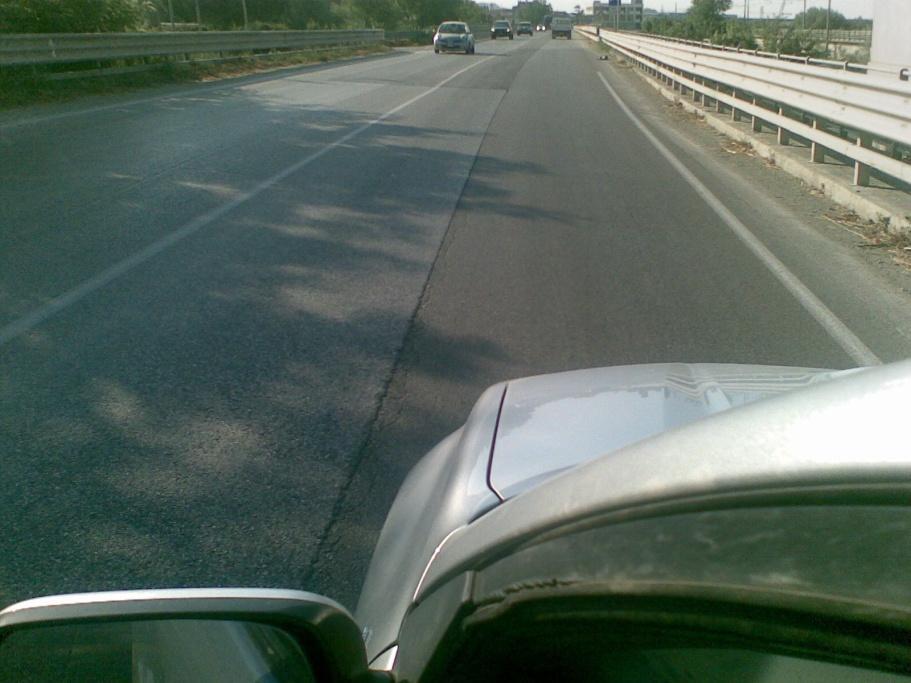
193,422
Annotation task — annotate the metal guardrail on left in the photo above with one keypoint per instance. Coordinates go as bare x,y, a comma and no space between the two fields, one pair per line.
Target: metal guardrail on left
479,31
63,48
865,117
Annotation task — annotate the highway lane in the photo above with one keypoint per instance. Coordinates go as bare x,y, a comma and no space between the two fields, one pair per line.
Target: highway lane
596,252
238,405
192,420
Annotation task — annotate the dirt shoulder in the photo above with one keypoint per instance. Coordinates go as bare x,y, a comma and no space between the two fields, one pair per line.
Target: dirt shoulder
24,87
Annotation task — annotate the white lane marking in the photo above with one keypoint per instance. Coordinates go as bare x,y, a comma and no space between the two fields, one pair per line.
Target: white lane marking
57,304
172,96
840,332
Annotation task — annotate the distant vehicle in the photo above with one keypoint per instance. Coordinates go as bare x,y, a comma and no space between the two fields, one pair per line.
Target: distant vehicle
524,27
502,28
541,27
561,26
453,36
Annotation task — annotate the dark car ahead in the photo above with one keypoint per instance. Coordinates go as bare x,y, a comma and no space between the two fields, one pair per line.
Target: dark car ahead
501,29
524,27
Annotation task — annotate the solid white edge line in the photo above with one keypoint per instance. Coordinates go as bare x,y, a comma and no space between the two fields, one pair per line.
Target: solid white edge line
841,333
39,315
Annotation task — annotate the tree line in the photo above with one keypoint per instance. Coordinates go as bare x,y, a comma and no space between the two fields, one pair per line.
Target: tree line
90,16
705,20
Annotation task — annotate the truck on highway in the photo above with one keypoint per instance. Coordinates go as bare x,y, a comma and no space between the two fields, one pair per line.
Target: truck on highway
561,26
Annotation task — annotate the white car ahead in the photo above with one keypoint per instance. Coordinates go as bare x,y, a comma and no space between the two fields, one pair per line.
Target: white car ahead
453,36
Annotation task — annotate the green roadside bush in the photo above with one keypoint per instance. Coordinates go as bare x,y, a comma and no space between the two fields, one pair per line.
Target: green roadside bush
69,16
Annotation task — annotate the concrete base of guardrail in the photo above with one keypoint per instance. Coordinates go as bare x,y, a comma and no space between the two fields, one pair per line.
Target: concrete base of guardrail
870,203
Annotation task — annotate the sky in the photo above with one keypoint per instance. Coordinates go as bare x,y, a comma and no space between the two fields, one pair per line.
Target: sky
850,8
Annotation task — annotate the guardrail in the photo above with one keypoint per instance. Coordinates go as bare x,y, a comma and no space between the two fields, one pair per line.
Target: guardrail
853,37
861,116
797,59
63,48
479,31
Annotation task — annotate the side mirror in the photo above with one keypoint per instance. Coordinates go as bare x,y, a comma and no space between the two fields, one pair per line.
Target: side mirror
235,635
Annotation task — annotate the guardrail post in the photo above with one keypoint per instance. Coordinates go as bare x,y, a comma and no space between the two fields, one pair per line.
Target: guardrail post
783,137
755,121
817,151
862,171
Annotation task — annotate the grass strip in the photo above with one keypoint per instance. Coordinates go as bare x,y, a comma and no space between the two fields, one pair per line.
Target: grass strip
26,86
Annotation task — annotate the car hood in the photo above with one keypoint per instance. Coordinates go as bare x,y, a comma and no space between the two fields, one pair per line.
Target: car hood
550,423
523,433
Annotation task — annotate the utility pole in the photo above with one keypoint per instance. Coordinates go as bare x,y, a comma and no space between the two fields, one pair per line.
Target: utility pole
171,13
198,17
244,5
828,12
803,18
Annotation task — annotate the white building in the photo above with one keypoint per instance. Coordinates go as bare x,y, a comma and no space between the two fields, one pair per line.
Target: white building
891,43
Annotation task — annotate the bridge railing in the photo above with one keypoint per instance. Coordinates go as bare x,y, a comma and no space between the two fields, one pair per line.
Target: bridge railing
63,48
863,116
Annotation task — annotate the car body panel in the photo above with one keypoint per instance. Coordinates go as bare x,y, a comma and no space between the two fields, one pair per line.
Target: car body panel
553,422
501,28
847,432
446,490
812,577
561,26
446,41
227,646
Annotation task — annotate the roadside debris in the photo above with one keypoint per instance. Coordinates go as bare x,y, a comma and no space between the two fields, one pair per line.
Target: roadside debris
874,234
736,147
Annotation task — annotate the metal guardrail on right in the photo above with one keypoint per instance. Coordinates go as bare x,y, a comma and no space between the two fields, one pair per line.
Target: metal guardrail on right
865,117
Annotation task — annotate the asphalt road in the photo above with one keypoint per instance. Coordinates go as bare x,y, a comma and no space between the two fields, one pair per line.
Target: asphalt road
233,315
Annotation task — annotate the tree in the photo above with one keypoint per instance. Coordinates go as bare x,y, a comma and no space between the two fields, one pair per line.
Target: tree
706,18
816,18
379,13
423,14
311,14
472,13
736,34
531,11
69,16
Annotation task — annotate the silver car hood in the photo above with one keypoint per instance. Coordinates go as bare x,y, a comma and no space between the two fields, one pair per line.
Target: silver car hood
525,432
550,423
